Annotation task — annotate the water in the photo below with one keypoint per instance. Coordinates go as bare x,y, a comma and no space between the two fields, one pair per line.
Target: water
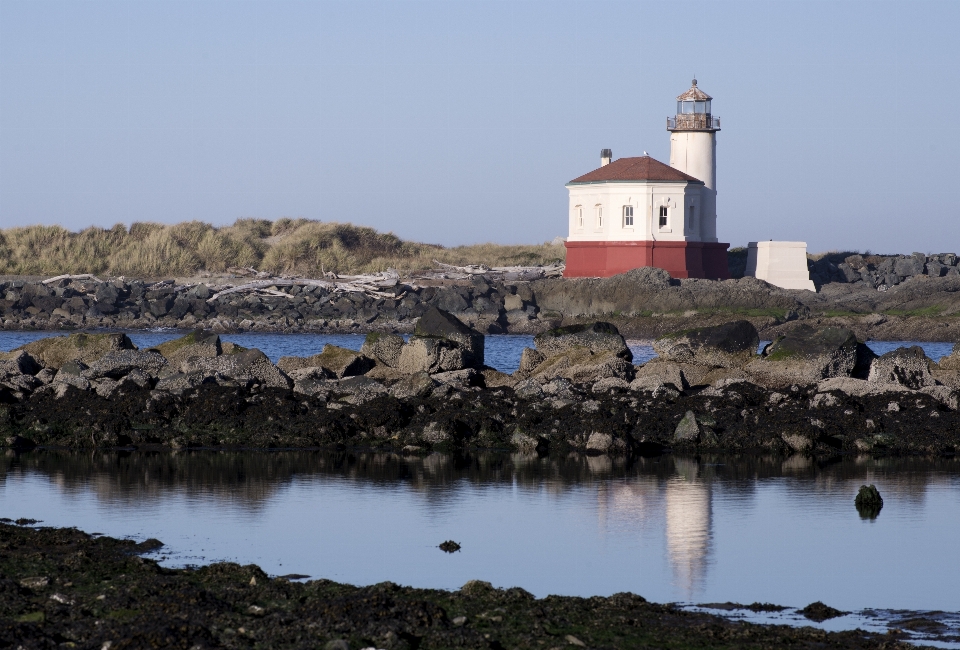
502,351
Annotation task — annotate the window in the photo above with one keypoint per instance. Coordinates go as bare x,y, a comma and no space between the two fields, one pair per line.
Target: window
579,213
692,217
663,216
599,216
628,216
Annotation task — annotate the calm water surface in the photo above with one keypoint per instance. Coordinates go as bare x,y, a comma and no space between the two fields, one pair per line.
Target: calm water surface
670,529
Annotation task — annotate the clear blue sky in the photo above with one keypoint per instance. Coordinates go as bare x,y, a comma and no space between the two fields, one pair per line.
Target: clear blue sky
460,121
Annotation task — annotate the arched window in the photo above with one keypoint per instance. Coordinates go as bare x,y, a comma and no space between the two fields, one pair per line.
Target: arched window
663,216
628,216
599,216
579,213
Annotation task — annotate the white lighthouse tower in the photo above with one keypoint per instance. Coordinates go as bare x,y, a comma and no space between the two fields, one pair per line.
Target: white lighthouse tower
693,150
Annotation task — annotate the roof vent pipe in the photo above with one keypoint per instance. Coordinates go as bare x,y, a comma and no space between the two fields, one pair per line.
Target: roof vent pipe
606,155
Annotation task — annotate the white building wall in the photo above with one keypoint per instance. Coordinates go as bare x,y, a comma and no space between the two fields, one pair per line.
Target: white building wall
781,263
646,199
695,153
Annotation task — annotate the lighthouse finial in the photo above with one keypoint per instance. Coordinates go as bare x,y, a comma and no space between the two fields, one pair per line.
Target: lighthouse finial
694,80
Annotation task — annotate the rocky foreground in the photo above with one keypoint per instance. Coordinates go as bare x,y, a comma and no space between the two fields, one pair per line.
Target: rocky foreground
64,588
810,391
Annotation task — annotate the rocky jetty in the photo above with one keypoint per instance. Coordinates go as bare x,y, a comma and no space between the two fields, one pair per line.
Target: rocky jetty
909,300
810,391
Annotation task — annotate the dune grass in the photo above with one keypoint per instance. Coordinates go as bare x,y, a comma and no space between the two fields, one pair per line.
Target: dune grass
288,246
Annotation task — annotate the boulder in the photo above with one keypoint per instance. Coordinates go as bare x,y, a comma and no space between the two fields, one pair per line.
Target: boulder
418,384
55,351
947,371
688,429
805,356
179,382
383,348
70,379
439,324
858,387
428,354
251,366
118,363
595,337
580,365
663,372
654,386
611,383
493,378
359,389
731,345
529,359
909,367
19,362
198,343
341,362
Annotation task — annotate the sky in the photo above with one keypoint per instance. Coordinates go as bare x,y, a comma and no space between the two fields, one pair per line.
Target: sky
460,121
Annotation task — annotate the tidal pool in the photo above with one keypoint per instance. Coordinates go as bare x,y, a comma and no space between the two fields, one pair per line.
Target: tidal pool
694,530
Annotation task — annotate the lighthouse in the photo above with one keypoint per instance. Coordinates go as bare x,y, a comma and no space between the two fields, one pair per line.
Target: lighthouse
637,211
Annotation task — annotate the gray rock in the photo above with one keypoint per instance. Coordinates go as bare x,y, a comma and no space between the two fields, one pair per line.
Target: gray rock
603,443
908,367
654,386
439,324
560,388
20,382
198,343
458,378
731,345
19,362
359,389
596,337
117,363
70,379
415,385
178,383
529,359
848,273
137,378
104,387
688,430
665,372
610,383
249,366
383,348
529,388
432,355
907,267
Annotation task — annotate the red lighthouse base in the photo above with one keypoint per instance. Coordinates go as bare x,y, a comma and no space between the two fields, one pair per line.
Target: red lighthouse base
681,259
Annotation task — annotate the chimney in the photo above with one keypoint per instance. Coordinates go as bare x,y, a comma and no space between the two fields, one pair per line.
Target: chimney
606,155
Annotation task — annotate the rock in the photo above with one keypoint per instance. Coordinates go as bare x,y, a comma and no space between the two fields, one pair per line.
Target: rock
341,362
438,324
596,337
19,362
603,443
610,383
947,371
180,382
336,644
383,348
198,343
137,378
819,612
312,381
868,501
654,386
908,367
118,363
70,379
251,366
858,387
944,395
73,368
19,443
805,356
798,442
580,365
529,388
105,386
54,351
359,389
493,378
529,359
458,378
449,546
688,430
731,345
907,267
418,384
665,372
432,355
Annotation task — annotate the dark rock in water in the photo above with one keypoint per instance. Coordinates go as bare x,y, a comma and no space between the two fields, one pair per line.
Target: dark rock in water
449,546
148,545
807,355
730,345
868,501
819,612
596,337
23,521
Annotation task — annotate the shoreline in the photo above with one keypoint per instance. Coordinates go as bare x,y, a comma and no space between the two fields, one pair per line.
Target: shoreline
93,590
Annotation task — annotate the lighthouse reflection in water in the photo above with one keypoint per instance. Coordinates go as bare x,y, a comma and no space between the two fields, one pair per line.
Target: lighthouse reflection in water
680,508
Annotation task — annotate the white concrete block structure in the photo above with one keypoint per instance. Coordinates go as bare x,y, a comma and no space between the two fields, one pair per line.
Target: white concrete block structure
781,263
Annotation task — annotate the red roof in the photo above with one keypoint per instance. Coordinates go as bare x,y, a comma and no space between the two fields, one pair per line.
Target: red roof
643,168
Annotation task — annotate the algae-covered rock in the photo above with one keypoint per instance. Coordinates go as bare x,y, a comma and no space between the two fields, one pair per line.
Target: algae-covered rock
341,362
418,384
596,337
428,354
580,365
118,363
54,351
807,355
198,343
868,501
730,345
251,366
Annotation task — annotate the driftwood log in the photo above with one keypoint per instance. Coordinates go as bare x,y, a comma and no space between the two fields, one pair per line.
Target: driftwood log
371,285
